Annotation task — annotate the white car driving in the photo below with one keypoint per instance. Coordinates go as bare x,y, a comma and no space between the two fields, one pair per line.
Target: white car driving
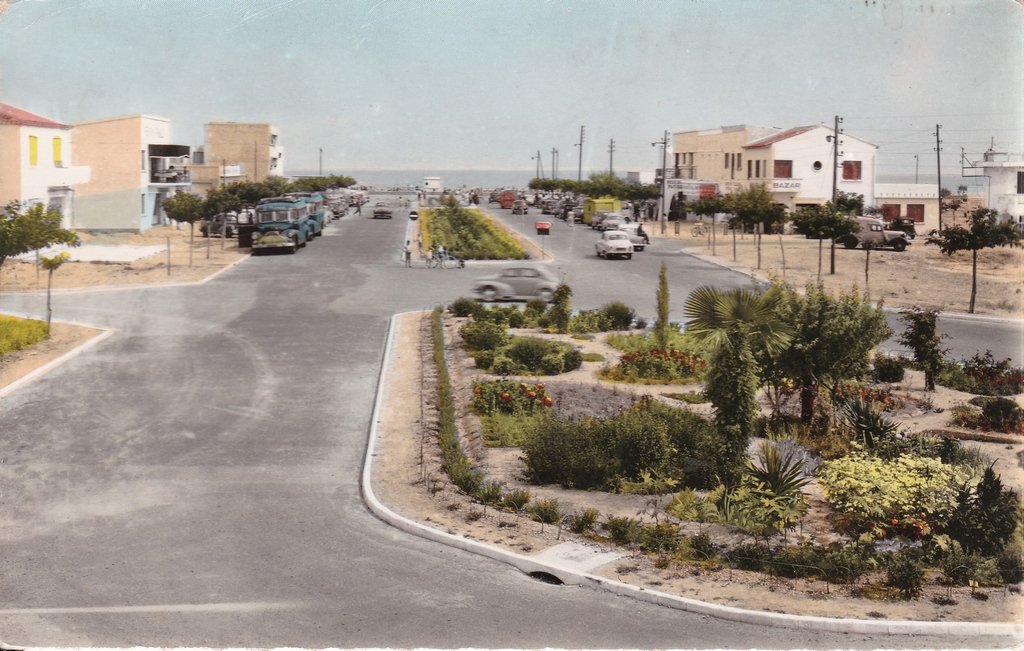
614,244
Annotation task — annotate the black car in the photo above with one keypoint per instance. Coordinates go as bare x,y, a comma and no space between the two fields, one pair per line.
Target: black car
225,224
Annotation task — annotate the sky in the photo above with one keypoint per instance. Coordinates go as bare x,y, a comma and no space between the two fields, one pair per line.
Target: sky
489,84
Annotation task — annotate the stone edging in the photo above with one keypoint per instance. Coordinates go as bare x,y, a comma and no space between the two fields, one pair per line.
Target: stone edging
532,566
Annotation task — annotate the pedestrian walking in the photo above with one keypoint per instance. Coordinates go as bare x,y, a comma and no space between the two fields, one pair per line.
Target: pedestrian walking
408,253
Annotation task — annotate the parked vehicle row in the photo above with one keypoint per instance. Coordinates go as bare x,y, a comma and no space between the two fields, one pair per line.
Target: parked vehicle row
289,222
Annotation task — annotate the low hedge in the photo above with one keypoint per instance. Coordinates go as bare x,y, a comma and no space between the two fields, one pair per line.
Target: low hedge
469,234
16,334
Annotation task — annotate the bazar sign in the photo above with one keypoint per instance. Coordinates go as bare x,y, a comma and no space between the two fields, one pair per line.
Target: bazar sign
786,185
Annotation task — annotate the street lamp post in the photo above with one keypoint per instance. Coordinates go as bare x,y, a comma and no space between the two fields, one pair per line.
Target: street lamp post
664,148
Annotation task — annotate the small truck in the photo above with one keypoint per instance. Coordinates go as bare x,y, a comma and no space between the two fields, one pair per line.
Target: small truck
872,234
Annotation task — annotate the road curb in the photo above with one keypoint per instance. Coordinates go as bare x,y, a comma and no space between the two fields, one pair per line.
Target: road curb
566,575
34,375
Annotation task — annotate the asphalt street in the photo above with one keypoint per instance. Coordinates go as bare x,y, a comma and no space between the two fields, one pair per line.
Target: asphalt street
192,480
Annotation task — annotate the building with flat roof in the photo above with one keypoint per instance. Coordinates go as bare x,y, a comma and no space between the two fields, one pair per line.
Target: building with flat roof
35,162
138,167
237,151
1005,187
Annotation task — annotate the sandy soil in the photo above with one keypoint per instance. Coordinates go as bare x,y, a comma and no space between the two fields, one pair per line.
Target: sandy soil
408,477
407,472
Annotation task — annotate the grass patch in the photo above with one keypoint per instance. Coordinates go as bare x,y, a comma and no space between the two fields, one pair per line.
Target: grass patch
510,431
690,397
592,357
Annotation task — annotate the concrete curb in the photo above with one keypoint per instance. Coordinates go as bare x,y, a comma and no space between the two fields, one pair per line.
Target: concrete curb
533,567
57,361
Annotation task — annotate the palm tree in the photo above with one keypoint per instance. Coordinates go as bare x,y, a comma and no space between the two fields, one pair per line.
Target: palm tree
732,323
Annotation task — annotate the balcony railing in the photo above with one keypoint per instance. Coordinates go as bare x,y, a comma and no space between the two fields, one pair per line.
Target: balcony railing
169,176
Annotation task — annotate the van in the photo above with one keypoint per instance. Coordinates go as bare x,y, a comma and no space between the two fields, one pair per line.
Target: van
602,204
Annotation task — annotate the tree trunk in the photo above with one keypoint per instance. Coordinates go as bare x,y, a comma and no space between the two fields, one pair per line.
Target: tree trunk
191,241
832,258
808,394
734,245
49,309
757,237
819,259
782,250
867,266
974,279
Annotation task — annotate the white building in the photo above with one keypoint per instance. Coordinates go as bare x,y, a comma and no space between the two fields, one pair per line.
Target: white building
35,162
1005,191
916,201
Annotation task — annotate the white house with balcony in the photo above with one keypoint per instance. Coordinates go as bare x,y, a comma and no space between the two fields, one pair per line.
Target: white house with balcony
1005,191
800,165
35,162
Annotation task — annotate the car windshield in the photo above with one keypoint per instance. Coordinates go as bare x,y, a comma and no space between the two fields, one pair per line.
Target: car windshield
616,236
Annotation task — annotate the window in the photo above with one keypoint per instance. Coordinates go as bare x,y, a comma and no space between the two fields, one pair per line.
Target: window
57,154
725,161
33,151
1020,182
851,170
750,167
143,159
739,161
890,211
757,169
783,169
915,211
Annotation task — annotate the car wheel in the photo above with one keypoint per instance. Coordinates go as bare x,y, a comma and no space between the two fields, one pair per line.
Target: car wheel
868,246
489,294
629,256
850,243
899,246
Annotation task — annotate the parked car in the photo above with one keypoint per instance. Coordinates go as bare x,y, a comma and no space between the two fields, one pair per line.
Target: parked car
903,224
519,207
494,197
225,223
872,234
517,284
613,222
614,244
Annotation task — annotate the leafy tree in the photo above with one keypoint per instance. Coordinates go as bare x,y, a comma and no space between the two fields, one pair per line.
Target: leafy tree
753,208
849,203
984,231
732,324
33,229
985,516
922,337
831,340
825,222
185,207
561,312
661,325
708,207
51,263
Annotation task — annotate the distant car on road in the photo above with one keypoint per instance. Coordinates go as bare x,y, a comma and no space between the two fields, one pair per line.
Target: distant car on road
382,210
614,244
519,207
517,284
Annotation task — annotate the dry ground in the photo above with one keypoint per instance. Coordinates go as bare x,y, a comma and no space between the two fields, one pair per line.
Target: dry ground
407,474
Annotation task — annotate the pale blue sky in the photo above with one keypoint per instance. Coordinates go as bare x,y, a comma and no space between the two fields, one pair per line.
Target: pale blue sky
459,84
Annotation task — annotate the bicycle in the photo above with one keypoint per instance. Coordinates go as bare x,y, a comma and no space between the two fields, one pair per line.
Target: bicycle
443,261
699,230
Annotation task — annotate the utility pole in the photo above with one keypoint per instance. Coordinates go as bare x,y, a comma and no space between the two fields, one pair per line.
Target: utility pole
321,161
917,163
835,157
579,171
611,156
554,163
540,163
938,164
664,147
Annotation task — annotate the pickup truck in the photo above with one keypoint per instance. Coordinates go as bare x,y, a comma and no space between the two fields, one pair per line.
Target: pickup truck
614,244
872,234
382,210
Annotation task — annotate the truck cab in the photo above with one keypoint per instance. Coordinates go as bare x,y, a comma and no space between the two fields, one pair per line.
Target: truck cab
281,223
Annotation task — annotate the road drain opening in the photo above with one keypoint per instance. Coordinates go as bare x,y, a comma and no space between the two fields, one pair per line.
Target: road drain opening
547,577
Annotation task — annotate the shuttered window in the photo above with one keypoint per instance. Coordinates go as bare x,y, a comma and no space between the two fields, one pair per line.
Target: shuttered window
915,211
783,169
58,156
33,151
851,170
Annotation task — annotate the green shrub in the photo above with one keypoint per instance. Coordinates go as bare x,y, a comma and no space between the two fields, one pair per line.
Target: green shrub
572,359
16,333
982,375
591,357
887,369
462,306
997,413
588,321
516,499
529,352
752,558
503,365
534,310
1010,561
661,537
509,397
546,511
618,315
484,359
623,530
985,516
905,573
797,562
516,319
961,567
484,335
583,521
551,364
505,431
490,492
657,365
845,563
702,546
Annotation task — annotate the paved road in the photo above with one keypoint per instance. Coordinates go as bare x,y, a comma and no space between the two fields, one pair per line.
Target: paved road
192,481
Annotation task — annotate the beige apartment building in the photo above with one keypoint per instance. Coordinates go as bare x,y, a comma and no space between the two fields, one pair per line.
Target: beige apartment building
236,151
798,165
136,167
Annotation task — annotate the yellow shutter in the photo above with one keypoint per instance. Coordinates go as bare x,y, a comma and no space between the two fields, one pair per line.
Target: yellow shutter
57,157
33,151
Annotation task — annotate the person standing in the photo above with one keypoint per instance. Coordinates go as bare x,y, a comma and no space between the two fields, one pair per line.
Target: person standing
408,253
